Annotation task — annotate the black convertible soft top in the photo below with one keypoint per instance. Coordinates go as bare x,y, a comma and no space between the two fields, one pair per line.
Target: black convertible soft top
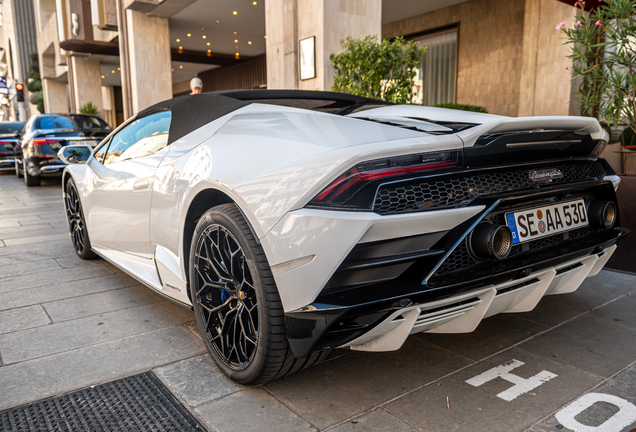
190,112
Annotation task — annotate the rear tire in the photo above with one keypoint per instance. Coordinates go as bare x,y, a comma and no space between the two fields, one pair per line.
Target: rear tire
76,222
236,302
30,180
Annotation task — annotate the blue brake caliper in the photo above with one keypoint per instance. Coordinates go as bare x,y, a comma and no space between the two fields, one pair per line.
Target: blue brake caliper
224,294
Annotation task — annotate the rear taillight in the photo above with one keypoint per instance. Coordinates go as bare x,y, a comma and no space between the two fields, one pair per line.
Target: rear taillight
42,141
343,191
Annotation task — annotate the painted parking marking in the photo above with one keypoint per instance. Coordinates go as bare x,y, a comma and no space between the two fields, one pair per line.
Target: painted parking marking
521,385
625,416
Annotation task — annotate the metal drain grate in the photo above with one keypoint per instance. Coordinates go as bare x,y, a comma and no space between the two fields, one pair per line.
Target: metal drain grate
137,403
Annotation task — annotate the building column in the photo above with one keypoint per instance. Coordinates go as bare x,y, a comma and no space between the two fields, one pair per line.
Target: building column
287,22
86,83
55,96
145,60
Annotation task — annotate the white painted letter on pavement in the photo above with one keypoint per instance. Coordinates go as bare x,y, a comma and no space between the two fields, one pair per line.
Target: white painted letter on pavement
521,385
625,416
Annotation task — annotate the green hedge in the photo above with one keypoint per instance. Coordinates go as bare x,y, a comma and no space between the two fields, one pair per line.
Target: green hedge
462,107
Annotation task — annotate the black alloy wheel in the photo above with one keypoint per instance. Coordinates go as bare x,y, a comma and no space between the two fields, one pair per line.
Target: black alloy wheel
76,222
226,297
30,180
236,302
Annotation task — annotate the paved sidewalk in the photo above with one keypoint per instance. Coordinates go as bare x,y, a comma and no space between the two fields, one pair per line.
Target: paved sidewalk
67,324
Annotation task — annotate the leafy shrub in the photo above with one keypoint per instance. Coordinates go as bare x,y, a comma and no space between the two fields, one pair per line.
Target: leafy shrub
89,108
380,70
462,107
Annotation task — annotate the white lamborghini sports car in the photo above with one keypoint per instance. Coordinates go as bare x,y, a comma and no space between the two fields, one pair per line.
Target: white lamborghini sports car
294,222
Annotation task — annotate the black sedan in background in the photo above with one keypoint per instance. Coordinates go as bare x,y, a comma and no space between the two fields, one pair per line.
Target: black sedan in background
44,135
7,143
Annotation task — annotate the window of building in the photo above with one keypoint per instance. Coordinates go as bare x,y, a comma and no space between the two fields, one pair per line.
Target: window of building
435,82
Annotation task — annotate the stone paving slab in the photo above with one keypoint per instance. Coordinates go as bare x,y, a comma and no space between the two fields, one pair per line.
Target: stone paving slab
68,335
57,277
251,410
379,420
362,381
623,387
99,303
13,320
57,374
479,408
588,344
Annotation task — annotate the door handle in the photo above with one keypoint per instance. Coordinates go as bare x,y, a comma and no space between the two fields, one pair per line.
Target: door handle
141,184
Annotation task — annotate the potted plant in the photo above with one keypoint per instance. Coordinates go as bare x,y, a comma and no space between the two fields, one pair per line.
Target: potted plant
603,53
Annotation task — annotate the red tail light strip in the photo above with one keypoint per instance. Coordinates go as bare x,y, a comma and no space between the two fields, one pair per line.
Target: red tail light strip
42,142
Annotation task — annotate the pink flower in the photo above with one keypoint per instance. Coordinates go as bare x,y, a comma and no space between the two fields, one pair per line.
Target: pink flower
578,23
567,68
599,23
559,25
579,3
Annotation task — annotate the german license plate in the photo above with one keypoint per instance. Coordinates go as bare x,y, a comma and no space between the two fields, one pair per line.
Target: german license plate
90,143
545,221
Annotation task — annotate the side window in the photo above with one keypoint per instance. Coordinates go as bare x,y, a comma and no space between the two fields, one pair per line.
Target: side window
100,152
143,137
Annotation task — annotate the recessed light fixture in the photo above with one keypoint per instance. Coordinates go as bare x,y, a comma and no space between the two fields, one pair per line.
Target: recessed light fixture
178,40
265,37
208,44
234,32
236,55
202,28
204,36
218,21
103,77
189,35
235,13
249,42
180,47
180,66
112,71
172,70
254,3
235,40
236,47
118,68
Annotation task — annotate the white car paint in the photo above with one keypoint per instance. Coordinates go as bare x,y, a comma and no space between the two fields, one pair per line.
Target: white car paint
271,161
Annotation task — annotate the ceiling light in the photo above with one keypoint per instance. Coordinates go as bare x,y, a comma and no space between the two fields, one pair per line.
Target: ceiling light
235,13
234,32
189,35
237,55
249,42
204,36
112,71
202,28
254,3
103,77
218,21
180,47
208,44
265,37
118,68
235,40
178,40
180,66
172,70
236,47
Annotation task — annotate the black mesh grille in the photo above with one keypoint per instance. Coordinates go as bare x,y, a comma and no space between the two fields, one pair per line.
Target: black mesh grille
428,194
137,403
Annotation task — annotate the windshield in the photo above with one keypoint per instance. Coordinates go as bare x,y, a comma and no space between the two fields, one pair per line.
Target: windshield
10,127
55,122
90,122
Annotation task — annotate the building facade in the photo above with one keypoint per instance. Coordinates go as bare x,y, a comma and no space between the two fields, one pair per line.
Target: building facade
124,55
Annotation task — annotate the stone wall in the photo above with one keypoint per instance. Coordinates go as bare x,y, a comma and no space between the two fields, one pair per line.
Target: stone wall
511,59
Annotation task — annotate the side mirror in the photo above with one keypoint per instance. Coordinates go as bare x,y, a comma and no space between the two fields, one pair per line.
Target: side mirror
75,154
17,134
